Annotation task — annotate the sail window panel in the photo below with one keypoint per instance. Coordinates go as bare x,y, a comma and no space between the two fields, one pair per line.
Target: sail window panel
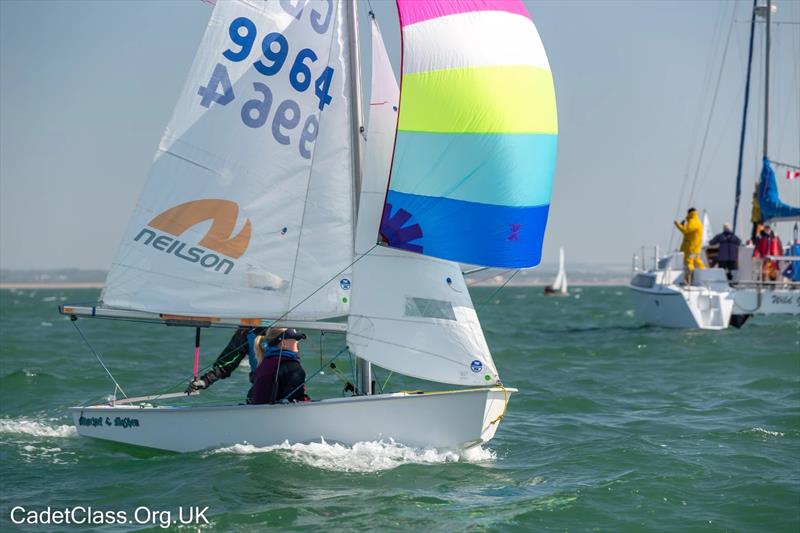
429,308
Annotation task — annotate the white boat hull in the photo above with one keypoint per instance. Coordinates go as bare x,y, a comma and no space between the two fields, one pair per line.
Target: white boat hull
766,301
671,305
692,309
454,419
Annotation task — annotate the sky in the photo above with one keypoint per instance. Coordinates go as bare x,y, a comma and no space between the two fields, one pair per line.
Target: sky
87,88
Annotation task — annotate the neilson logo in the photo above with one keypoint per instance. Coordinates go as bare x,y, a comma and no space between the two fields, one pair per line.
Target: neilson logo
176,220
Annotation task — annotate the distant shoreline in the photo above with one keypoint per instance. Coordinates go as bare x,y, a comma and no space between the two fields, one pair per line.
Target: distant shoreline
59,285
97,285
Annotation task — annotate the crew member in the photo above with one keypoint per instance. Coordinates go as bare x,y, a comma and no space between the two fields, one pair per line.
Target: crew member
692,244
728,254
241,345
280,376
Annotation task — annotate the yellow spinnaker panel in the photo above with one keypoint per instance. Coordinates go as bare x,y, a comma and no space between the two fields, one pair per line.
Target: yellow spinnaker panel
479,100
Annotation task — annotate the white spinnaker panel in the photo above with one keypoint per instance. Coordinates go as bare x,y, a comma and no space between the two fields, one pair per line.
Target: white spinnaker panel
409,313
258,205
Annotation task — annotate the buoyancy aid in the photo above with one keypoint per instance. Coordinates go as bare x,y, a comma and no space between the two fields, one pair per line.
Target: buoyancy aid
251,352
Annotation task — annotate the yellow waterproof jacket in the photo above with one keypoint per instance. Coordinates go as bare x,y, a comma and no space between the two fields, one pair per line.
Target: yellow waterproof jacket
692,234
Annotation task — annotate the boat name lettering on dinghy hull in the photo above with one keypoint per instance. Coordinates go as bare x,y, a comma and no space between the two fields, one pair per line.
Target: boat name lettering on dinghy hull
97,421
194,254
93,421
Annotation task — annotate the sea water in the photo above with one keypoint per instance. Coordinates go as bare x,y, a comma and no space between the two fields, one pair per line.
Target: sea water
617,427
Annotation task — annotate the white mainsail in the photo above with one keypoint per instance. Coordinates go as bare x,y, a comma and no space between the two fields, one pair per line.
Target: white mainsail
708,233
560,283
410,313
248,207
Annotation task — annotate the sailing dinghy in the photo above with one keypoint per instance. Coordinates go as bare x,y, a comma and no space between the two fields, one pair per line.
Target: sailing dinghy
260,210
559,286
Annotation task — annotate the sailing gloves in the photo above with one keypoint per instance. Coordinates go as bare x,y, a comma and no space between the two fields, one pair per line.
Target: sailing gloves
196,385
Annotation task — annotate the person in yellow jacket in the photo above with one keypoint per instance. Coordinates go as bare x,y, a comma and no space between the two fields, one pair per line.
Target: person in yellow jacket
692,245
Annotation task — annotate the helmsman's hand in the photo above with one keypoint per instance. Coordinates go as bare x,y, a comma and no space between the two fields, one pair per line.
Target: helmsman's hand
196,385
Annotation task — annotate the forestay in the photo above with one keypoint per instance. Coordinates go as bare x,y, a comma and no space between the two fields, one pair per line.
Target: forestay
248,207
476,140
409,313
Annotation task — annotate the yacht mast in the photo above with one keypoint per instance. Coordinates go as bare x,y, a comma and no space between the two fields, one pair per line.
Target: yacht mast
744,118
364,369
766,79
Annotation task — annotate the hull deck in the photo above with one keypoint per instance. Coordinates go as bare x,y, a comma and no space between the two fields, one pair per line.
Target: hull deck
452,419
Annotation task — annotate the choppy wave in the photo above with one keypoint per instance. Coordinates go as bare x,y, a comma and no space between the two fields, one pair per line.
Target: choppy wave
36,428
363,456
766,432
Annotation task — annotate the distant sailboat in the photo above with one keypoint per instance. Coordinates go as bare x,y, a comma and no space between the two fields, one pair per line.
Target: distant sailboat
559,286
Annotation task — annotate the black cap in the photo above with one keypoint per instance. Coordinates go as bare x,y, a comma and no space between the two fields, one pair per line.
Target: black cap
290,333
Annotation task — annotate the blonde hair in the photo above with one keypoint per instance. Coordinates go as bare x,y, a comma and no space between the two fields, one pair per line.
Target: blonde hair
273,333
270,335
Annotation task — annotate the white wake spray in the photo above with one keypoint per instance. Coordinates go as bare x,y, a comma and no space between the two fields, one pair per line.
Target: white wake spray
362,456
36,428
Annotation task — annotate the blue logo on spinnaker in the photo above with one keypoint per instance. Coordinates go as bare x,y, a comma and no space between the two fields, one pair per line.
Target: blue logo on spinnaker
345,284
476,366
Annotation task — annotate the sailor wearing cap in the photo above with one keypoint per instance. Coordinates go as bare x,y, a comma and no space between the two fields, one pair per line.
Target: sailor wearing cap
279,375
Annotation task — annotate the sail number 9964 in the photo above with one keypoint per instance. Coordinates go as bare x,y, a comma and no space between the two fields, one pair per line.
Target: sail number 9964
255,112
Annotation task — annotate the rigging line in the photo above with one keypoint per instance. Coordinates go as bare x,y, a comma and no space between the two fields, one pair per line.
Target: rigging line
779,164
320,369
478,281
791,96
99,359
711,111
301,302
699,111
409,347
383,387
497,291
696,127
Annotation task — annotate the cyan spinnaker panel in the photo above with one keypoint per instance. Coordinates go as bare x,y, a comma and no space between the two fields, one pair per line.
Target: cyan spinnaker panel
772,207
476,141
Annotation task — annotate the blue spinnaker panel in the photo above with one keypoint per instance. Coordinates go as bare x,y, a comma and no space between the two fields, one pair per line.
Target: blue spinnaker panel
772,208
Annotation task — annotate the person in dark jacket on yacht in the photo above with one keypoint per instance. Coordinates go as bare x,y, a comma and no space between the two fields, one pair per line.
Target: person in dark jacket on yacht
728,254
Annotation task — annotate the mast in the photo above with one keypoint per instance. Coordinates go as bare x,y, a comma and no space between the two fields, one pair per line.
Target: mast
364,369
744,118
355,101
766,80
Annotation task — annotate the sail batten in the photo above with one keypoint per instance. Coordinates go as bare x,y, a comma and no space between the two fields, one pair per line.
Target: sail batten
476,141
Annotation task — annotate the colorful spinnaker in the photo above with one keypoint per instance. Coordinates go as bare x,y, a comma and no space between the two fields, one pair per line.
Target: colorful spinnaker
476,140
